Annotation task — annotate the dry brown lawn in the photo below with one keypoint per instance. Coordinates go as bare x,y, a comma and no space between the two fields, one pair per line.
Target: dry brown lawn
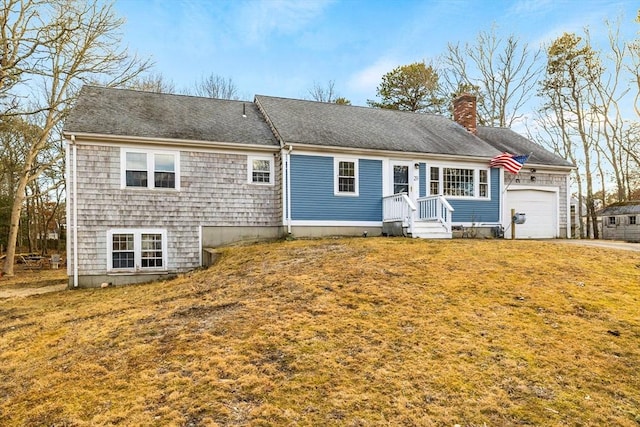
339,332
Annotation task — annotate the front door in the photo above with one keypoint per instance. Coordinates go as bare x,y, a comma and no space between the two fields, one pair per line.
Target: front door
402,178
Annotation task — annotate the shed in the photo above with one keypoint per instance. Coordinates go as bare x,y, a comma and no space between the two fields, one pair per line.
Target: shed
621,221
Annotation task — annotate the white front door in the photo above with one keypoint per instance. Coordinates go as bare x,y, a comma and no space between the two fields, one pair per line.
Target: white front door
402,178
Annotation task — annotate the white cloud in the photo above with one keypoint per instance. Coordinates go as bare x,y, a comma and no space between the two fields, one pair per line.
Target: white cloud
528,7
259,19
368,79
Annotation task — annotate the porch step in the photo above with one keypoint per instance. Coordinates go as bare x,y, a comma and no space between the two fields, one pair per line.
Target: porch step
430,230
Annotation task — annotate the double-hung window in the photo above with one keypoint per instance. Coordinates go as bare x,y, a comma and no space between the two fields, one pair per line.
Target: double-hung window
459,182
150,169
345,177
483,183
260,170
434,182
137,250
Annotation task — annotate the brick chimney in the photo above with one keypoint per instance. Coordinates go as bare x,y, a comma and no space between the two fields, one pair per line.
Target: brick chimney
464,112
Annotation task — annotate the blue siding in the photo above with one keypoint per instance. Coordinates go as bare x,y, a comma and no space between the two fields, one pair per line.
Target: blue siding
422,184
479,211
312,188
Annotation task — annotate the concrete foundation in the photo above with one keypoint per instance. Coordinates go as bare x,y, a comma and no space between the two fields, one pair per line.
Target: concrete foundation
309,231
218,236
102,280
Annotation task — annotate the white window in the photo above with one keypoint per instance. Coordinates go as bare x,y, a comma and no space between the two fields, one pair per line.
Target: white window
136,250
483,183
459,182
434,183
150,169
345,173
260,170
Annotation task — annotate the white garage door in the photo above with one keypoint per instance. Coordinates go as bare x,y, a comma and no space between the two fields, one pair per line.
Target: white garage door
541,209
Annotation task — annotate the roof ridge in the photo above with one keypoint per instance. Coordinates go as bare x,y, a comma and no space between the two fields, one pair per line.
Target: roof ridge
150,92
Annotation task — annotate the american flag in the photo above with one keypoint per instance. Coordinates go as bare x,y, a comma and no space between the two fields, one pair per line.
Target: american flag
510,162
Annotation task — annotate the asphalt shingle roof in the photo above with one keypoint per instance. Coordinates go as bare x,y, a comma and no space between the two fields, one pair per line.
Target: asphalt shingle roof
622,208
153,115
122,112
328,124
505,139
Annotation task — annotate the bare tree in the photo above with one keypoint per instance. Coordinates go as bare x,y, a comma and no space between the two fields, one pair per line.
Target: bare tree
327,93
501,72
323,94
634,51
572,69
61,45
152,82
607,93
215,86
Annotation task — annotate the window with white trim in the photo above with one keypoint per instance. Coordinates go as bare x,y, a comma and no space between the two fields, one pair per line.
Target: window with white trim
136,250
260,170
150,169
612,220
345,177
434,181
459,182
632,220
483,183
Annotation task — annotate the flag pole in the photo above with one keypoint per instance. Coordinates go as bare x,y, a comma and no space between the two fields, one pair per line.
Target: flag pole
514,176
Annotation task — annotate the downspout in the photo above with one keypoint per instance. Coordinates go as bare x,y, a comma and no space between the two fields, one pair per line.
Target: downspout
568,209
289,188
69,228
75,210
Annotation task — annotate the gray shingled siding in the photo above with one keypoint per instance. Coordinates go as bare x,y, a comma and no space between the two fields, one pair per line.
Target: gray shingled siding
622,229
213,190
544,180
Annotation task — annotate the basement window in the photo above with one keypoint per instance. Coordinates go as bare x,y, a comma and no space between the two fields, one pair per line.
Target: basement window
136,250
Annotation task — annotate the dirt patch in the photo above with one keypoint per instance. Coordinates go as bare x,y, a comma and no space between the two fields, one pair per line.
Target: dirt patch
27,282
25,292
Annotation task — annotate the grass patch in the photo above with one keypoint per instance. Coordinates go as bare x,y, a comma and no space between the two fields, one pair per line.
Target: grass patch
355,332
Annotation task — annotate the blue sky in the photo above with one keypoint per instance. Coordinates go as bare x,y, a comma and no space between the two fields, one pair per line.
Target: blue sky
281,47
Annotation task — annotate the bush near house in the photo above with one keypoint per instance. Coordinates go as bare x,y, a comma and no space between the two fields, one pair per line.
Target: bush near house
375,331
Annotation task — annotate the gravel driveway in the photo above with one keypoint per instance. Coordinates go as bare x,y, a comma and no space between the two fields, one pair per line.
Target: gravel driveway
609,244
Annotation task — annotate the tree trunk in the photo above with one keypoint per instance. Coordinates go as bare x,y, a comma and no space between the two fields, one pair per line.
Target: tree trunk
14,226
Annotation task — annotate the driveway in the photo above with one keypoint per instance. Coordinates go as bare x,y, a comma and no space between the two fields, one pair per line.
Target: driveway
608,244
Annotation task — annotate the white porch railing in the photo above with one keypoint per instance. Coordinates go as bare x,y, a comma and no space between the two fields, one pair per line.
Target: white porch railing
435,208
398,207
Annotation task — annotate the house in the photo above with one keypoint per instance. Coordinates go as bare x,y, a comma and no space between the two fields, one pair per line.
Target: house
621,221
154,180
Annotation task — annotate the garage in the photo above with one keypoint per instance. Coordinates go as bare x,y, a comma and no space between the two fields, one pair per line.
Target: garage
541,209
